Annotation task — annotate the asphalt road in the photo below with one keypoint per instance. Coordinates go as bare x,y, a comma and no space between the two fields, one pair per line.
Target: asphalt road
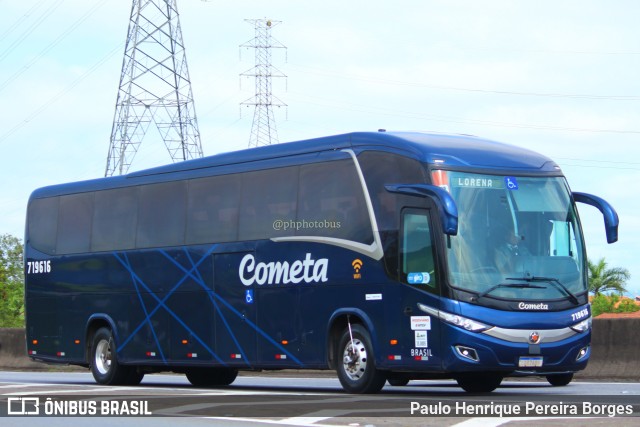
317,401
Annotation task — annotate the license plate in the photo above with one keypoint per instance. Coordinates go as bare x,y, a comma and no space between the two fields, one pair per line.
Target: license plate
530,362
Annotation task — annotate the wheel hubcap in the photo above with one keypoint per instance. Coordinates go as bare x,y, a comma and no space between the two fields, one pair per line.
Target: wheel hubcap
354,359
103,357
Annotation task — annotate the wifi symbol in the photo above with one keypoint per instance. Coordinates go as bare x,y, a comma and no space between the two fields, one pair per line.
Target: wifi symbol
357,265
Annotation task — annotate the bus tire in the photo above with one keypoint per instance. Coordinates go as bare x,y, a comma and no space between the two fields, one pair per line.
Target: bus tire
479,382
104,362
398,381
559,380
211,377
134,376
356,367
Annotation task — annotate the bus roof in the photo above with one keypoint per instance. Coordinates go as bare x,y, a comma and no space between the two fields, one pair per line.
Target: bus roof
442,149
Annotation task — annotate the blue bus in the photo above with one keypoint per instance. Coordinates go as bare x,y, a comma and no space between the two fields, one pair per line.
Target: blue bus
384,256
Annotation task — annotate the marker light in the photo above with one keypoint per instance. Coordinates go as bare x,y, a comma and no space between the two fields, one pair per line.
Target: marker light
467,352
584,351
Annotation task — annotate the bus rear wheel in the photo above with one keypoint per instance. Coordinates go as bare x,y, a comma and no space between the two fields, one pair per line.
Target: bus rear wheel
356,363
479,382
559,380
211,377
104,363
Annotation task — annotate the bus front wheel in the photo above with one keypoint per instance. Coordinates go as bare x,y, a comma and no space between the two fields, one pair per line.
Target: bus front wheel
356,362
104,364
559,380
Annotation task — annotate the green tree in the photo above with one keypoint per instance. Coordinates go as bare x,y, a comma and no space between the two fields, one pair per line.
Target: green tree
627,306
602,304
602,279
11,282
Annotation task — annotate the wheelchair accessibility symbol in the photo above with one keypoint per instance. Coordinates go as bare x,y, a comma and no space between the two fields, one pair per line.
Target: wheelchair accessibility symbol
248,296
510,182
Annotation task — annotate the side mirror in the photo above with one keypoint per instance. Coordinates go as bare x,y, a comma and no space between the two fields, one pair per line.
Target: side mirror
610,215
443,200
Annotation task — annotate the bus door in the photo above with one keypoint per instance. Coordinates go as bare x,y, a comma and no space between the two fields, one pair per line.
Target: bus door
235,312
418,273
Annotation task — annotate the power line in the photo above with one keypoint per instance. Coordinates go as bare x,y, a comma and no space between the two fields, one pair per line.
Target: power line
30,30
554,52
369,109
23,18
329,73
51,45
59,95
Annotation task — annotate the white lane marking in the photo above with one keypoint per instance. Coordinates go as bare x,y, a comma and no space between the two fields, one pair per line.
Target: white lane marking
84,391
496,422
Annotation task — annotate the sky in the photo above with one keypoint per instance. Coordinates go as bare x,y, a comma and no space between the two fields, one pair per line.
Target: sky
559,77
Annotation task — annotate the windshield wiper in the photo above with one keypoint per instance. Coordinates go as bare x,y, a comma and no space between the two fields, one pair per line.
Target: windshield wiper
555,282
507,285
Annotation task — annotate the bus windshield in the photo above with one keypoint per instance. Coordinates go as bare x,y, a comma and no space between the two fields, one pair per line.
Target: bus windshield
518,238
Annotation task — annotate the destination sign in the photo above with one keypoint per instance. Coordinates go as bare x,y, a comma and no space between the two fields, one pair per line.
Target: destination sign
476,181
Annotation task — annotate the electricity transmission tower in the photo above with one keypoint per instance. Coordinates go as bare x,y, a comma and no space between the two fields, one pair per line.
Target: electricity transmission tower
263,129
154,88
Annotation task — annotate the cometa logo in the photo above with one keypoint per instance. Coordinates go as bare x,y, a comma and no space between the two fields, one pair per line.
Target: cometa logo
357,265
528,306
308,270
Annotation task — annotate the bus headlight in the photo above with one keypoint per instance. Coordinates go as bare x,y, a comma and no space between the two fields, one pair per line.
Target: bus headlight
463,322
583,326
456,320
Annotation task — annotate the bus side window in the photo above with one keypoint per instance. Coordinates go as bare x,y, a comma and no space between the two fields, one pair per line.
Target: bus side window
115,217
332,202
212,209
74,223
161,214
43,224
268,197
416,250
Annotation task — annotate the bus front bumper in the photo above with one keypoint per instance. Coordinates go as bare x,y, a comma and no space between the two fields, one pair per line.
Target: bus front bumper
533,352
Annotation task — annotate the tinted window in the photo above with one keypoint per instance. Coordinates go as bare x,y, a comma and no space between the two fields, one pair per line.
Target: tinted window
115,219
380,168
268,196
43,224
213,209
418,266
74,223
161,214
331,202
